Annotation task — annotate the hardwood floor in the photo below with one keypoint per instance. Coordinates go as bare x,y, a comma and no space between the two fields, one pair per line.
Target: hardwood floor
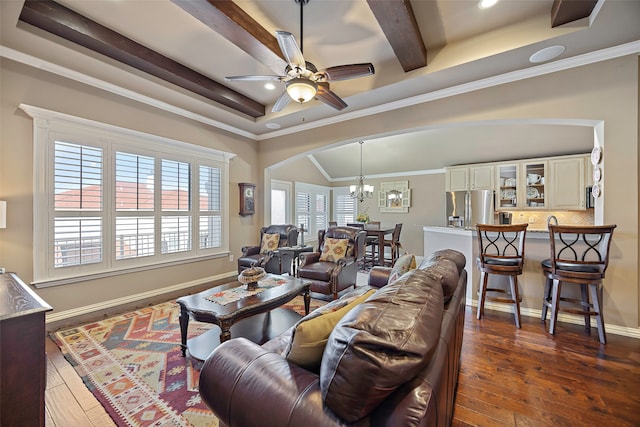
508,377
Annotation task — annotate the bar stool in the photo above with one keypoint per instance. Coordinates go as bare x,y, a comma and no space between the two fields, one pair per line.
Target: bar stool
580,255
501,253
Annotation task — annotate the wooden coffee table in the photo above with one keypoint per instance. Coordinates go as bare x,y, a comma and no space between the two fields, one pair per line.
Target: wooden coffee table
258,318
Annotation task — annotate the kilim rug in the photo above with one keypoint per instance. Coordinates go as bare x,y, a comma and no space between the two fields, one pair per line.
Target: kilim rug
132,363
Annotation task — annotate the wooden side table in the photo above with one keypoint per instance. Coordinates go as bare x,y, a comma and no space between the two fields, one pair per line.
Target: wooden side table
293,252
23,371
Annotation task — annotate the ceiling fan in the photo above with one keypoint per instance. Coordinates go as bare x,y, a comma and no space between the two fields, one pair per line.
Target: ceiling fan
302,80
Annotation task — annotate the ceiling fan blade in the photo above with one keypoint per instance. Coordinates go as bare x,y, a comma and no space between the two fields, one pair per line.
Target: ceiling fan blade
281,102
329,97
346,72
290,49
253,78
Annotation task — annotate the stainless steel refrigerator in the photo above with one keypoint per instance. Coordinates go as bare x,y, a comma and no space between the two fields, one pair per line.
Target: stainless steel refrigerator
465,209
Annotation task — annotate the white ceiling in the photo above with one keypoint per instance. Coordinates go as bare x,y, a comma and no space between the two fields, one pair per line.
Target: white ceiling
464,45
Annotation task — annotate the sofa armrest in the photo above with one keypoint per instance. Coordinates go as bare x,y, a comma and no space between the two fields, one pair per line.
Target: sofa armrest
379,276
244,385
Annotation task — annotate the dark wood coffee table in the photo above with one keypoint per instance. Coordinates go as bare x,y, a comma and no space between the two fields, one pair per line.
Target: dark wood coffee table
257,317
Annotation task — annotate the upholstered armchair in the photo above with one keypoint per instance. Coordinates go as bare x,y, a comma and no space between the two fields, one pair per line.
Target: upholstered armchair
263,256
334,267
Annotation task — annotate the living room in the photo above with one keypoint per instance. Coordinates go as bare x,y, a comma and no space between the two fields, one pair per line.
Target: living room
602,93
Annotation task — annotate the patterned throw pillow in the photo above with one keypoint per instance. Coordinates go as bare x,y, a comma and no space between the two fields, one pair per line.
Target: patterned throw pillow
334,249
270,242
405,263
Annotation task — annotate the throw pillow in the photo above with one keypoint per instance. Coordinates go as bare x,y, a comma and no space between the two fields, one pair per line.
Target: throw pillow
270,242
404,264
310,336
334,249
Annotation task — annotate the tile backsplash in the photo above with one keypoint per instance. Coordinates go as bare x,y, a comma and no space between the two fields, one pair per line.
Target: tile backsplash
538,219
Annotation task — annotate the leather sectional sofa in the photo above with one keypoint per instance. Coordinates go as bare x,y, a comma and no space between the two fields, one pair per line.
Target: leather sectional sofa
391,361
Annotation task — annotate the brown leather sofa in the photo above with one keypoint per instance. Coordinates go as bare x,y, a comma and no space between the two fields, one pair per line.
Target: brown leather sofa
391,361
251,255
328,277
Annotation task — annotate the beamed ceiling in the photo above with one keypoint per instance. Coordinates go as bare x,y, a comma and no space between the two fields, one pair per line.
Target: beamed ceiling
178,52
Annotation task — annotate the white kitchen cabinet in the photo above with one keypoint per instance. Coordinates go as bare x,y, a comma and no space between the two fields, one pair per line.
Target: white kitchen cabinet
481,177
567,183
507,178
457,178
534,179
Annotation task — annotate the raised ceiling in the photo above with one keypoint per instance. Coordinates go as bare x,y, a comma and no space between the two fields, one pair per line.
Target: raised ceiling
464,44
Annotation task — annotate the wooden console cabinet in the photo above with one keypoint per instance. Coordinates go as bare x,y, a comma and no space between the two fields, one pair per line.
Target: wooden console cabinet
23,363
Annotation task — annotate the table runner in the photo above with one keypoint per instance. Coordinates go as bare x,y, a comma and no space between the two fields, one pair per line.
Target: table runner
234,294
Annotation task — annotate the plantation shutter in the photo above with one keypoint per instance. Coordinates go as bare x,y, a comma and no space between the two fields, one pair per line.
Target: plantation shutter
78,206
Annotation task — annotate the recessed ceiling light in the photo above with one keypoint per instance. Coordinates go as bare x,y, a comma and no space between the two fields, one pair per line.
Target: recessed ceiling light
485,4
269,86
546,54
272,125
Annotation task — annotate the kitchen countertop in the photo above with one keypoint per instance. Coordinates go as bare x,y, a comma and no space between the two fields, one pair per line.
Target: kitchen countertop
532,233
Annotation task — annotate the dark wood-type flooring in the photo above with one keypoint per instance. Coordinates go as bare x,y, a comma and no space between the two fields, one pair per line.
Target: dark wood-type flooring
508,377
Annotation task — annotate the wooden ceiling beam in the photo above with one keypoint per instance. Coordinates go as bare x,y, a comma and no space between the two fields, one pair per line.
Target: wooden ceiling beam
398,22
230,21
565,11
61,21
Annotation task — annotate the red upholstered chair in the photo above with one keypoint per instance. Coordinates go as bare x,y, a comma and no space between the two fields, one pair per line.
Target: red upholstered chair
331,277
579,255
251,255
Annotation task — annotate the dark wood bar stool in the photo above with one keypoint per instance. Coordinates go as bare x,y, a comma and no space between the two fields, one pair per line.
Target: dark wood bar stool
501,253
580,255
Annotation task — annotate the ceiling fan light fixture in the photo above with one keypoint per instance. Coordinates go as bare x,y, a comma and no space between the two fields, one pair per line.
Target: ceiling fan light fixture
485,4
301,90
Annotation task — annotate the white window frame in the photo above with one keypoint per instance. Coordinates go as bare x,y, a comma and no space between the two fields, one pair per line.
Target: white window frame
338,193
50,126
311,236
285,186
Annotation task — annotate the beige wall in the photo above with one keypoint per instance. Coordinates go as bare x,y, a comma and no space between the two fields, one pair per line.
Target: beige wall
605,91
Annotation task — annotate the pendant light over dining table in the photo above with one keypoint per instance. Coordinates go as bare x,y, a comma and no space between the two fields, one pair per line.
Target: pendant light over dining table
361,191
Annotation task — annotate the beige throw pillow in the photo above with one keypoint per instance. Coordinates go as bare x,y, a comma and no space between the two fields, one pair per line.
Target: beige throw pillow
334,249
404,264
270,242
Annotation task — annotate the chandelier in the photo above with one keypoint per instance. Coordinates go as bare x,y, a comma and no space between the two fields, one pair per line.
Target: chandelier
361,191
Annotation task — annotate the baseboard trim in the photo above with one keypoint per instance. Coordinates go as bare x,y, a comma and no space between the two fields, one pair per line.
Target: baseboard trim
562,317
110,304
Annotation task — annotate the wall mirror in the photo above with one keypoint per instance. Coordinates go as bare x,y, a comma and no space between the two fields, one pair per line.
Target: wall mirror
394,196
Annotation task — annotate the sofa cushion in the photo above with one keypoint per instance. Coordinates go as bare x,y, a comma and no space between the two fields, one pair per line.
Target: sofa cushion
310,335
381,344
445,272
404,264
270,242
334,249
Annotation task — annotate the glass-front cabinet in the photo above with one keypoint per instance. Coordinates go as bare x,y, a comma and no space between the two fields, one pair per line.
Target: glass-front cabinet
507,177
534,178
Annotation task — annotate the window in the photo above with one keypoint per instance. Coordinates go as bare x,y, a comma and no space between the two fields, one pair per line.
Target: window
344,206
117,204
312,208
280,202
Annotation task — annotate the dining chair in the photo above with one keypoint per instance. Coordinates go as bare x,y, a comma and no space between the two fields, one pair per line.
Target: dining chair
371,243
501,249
579,255
394,246
333,223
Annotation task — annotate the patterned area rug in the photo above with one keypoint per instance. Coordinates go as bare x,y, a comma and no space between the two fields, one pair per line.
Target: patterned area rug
132,363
